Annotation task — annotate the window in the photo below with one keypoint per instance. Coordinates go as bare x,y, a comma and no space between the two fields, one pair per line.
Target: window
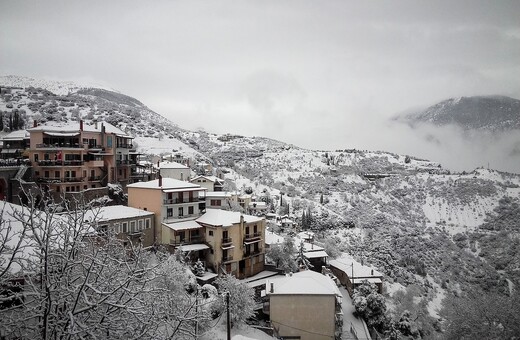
117,228
103,229
181,211
125,227
46,174
36,157
57,174
140,225
132,227
109,141
147,223
216,203
190,210
210,233
169,212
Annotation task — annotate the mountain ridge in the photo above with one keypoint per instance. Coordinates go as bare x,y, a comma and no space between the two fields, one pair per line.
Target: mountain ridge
495,113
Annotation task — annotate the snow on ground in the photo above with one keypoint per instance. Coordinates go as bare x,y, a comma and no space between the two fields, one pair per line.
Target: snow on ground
435,305
243,332
152,145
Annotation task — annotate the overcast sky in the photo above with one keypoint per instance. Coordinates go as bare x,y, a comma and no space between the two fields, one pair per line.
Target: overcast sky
319,74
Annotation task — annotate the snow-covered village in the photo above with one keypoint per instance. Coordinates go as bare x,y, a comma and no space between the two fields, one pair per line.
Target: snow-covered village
240,185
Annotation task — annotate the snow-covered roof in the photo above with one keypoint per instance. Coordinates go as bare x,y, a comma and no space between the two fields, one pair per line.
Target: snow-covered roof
315,254
272,238
115,212
218,194
213,179
258,205
69,127
224,218
167,183
345,262
306,282
310,247
16,135
172,165
194,247
183,225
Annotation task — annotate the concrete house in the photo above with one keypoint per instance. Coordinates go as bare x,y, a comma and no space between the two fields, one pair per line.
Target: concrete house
71,157
352,273
304,305
175,170
212,183
172,201
126,223
237,242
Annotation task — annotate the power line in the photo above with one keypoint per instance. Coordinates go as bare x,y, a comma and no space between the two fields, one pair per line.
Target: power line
303,330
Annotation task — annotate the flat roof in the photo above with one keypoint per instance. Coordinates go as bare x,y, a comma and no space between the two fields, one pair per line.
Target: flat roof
167,183
115,212
302,283
224,218
183,225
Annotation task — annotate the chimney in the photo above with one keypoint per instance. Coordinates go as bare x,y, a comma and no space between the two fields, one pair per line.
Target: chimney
81,125
372,273
272,288
160,180
158,163
95,124
35,123
102,128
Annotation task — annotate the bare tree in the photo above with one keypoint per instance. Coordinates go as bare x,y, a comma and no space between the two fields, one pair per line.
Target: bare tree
61,278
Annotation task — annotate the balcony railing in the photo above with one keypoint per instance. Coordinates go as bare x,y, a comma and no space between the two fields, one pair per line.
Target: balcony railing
124,146
180,200
59,179
58,146
252,236
192,240
252,252
48,162
122,162
227,258
227,240
94,178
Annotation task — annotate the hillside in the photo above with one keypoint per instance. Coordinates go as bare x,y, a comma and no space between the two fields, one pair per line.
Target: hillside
436,235
492,113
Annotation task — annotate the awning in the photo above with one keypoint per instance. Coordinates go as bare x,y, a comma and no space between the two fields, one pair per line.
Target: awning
62,134
193,247
315,254
184,225
251,242
228,247
9,150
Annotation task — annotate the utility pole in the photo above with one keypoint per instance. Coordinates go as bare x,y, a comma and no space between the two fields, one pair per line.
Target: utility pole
227,314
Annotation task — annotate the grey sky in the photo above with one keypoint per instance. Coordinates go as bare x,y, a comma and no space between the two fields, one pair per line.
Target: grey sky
320,74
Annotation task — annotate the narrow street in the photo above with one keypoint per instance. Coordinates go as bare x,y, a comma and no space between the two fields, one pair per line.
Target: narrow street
353,327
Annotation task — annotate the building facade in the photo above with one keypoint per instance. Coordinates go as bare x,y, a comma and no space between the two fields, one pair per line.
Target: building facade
75,156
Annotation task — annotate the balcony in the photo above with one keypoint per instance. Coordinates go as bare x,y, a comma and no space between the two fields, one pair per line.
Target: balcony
180,200
96,163
252,252
227,240
59,146
252,236
124,146
59,179
94,178
48,162
228,258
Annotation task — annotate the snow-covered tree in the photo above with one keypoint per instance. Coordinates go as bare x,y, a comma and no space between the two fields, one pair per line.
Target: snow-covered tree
282,255
241,299
371,306
64,280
